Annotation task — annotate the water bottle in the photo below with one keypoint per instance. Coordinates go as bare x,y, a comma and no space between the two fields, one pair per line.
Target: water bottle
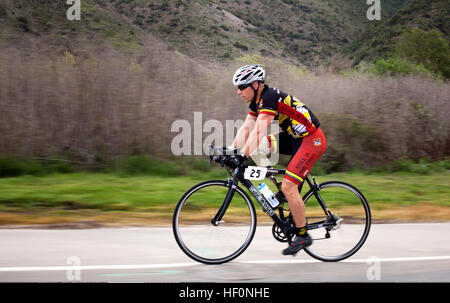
268,194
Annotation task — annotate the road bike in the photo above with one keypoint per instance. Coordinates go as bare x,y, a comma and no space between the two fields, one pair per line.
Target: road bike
215,221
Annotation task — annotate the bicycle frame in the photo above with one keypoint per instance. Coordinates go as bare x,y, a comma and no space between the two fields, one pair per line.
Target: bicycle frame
285,226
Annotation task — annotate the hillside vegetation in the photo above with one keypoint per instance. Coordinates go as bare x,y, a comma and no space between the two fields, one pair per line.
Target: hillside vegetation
41,28
112,84
380,38
307,33
304,32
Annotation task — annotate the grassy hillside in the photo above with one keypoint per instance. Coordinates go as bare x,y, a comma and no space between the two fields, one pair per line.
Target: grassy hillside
379,39
40,27
299,31
306,31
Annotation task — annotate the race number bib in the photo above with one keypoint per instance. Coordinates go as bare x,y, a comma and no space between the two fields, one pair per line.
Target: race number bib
255,173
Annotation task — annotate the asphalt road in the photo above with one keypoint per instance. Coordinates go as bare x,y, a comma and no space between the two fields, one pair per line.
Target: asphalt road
392,253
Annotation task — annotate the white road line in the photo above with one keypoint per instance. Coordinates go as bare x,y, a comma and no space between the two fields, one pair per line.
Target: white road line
96,267
171,265
370,259
399,259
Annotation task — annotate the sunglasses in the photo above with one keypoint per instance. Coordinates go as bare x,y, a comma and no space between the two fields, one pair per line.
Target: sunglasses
243,86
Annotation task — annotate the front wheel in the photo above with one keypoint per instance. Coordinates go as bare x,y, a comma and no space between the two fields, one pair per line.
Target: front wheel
195,232
341,234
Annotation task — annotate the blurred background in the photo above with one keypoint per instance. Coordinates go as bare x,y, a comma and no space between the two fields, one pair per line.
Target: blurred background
86,107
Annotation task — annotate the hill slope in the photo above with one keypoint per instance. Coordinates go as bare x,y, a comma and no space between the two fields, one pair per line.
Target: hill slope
296,31
380,38
303,30
41,28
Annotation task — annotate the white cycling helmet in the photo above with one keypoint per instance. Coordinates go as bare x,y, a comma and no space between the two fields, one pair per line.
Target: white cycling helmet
248,74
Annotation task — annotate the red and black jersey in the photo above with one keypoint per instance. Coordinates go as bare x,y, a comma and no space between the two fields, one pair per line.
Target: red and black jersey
293,115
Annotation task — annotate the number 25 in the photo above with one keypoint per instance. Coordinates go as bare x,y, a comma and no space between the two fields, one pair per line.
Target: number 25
252,174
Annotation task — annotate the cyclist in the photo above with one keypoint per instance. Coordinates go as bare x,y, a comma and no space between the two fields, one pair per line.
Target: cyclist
301,137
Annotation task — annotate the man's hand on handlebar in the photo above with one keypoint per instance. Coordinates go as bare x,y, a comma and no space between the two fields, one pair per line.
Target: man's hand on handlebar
229,156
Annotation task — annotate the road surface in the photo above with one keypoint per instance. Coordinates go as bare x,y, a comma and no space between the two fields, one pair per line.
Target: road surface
392,253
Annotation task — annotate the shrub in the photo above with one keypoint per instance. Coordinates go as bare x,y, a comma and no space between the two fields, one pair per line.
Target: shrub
3,13
396,66
441,165
60,167
13,167
333,160
406,165
23,24
224,27
10,167
143,165
34,167
241,46
429,49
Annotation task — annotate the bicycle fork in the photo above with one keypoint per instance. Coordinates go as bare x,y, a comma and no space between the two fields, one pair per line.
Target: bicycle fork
226,202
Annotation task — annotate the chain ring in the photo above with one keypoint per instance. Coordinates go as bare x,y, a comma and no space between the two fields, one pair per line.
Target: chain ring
278,234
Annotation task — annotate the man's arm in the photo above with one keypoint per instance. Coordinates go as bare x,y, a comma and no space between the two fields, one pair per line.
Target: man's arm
259,131
244,132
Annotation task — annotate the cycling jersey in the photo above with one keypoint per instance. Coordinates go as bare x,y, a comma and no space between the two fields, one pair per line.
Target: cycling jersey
302,138
294,116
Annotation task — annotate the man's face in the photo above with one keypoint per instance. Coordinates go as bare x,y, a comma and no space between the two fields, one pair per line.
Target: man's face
247,94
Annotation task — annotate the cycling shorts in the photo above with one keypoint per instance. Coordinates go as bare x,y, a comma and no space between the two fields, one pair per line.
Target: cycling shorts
305,152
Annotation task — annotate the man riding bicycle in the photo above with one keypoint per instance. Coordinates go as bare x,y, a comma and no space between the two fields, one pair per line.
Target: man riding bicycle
301,138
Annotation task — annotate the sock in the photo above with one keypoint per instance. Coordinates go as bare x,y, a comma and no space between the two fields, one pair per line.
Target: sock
301,231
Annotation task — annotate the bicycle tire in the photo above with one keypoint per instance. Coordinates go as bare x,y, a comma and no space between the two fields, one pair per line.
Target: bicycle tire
365,222
181,232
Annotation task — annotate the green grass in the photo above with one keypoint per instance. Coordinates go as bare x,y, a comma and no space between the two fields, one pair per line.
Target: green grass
400,188
113,192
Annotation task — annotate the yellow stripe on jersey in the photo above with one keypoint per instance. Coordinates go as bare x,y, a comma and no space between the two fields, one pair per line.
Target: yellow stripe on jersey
281,118
268,111
294,176
287,100
307,115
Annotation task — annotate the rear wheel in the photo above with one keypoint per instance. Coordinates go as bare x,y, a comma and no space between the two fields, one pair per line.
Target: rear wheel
199,238
344,231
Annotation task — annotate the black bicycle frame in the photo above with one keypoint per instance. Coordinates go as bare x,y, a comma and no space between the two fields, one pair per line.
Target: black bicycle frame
284,225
